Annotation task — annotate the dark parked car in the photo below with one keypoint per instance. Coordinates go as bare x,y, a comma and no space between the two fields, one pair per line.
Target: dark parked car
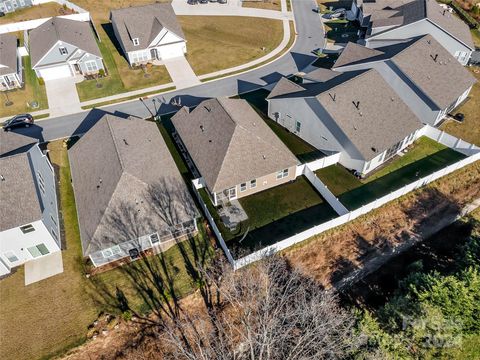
2,14
459,117
17,121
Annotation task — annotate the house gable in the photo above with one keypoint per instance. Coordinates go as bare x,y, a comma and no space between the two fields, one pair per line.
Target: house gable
54,56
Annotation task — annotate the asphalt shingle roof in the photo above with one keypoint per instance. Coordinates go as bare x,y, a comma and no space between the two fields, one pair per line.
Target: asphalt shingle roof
20,204
76,33
144,23
230,143
11,143
126,183
8,54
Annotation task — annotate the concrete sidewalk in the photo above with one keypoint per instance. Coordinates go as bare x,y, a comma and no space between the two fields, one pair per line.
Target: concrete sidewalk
181,72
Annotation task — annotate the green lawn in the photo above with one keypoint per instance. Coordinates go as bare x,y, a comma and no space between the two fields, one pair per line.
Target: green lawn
424,158
301,149
121,78
49,317
32,91
273,215
35,12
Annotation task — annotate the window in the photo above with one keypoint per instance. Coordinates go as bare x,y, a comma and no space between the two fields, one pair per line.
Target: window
253,183
15,5
139,56
298,126
41,182
38,250
22,2
114,250
91,65
54,234
136,42
282,174
63,50
154,238
53,219
27,228
243,186
10,255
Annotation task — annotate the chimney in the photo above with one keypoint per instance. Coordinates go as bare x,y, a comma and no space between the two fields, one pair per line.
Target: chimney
357,104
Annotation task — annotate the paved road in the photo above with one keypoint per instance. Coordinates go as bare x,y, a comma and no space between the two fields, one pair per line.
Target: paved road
310,36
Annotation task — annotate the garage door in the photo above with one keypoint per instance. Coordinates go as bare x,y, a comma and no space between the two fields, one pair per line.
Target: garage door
170,51
57,72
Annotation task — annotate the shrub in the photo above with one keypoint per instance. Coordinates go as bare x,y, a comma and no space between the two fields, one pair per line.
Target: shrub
101,72
41,81
464,15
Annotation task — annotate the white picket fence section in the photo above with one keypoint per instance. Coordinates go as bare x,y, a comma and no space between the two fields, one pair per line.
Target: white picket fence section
198,184
316,230
324,162
450,141
32,24
339,208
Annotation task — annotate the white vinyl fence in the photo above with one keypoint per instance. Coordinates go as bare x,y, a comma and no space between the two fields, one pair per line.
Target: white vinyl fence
324,162
32,24
450,141
69,4
281,245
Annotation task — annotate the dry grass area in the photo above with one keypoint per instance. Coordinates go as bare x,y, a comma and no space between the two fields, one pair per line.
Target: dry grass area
36,12
469,130
215,42
263,4
333,254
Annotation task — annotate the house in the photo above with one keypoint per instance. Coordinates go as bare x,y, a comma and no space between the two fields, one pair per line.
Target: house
233,149
63,48
421,71
130,196
356,114
388,22
29,225
148,33
10,63
8,6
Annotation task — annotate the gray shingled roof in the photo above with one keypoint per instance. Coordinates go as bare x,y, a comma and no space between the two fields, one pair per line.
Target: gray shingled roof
8,54
145,23
76,33
443,79
230,143
381,120
321,75
20,204
126,183
355,53
12,142
284,86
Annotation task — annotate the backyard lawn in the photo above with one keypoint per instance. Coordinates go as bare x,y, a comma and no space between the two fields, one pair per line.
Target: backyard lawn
469,130
273,215
301,149
32,91
215,42
264,4
51,316
35,12
424,158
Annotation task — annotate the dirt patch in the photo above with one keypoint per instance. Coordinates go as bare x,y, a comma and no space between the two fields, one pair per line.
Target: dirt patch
334,254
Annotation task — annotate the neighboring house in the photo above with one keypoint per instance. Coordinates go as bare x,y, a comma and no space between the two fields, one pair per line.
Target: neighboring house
8,6
29,223
233,149
10,63
148,33
130,196
62,48
421,71
356,114
388,22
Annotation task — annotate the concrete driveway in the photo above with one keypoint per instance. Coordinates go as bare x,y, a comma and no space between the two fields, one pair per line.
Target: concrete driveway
43,267
181,72
62,97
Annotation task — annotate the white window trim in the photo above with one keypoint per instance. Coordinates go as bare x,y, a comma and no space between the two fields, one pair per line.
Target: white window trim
135,42
243,187
282,174
12,253
61,48
253,184
90,62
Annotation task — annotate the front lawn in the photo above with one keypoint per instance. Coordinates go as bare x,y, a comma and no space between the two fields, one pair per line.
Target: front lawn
48,9
341,31
424,158
469,129
220,42
32,91
49,317
301,149
263,4
121,78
